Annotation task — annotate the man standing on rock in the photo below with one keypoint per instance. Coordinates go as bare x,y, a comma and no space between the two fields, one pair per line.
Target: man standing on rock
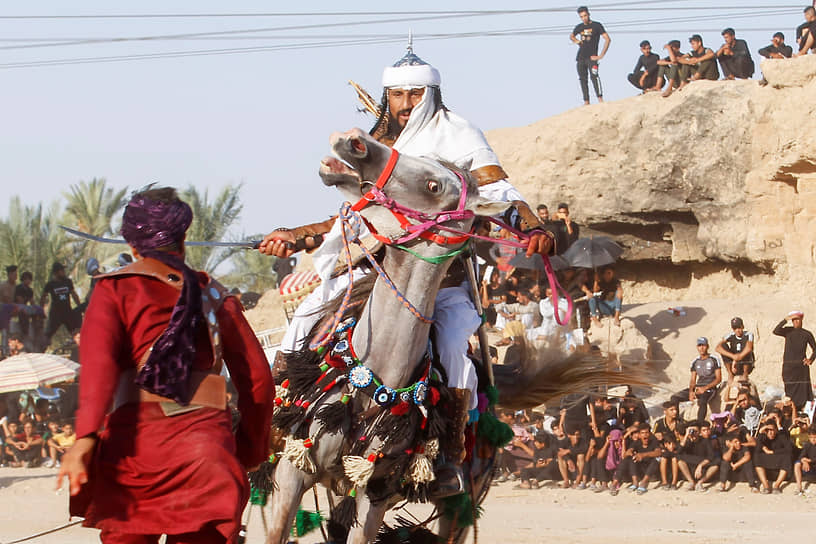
587,36
735,59
795,363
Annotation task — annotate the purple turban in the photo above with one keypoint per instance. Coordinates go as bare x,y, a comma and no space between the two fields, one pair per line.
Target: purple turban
150,225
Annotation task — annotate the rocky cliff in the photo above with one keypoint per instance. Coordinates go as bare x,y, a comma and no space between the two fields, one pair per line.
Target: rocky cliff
723,171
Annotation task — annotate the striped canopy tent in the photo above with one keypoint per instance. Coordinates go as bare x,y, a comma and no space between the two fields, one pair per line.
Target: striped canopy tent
32,370
294,288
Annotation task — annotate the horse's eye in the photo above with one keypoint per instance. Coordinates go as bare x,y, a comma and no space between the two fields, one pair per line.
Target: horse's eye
433,186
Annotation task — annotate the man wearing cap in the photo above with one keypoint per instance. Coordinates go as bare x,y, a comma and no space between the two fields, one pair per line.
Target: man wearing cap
165,461
701,61
777,49
734,56
737,350
414,121
61,291
795,361
644,76
706,375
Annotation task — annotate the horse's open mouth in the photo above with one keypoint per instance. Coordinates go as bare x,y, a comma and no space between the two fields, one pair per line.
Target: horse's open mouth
333,171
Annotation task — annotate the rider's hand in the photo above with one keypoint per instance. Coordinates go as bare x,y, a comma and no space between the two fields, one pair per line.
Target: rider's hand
539,243
280,243
75,464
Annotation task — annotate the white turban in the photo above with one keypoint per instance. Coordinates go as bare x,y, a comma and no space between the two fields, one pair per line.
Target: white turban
410,72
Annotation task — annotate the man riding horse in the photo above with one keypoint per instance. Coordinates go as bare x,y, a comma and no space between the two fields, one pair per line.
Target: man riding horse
414,121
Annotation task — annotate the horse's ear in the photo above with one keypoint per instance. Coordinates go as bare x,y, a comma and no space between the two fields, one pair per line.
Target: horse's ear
489,208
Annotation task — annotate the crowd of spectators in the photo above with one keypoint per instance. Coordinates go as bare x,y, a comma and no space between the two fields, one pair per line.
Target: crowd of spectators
677,69
608,444
36,427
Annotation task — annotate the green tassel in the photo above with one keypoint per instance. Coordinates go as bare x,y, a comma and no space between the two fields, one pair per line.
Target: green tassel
306,522
460,508
492,430
258,496
492,395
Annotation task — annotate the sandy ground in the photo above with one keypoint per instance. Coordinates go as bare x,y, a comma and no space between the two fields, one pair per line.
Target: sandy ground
28,504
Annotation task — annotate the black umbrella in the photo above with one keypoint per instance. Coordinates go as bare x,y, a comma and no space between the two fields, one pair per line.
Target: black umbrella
592,252
536,262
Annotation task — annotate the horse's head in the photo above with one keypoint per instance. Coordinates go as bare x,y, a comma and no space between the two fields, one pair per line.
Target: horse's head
419,184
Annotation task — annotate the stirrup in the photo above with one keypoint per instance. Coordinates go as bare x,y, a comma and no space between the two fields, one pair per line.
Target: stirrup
450,480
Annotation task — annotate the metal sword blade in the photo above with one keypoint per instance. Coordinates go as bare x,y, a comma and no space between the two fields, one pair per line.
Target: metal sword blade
250,244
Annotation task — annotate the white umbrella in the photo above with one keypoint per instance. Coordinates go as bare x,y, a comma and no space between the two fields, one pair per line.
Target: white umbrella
32,370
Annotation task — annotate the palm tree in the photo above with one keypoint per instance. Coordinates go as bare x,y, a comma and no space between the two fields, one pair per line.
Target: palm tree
251,271
211,222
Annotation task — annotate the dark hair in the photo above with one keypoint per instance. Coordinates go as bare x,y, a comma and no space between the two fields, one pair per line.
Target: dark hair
644,43
728,30
582,9
11,268
56,267
811,429
383,117
810,9
26,276
675,43
542,437
541,207
731,436
705,423
563,206
16,337
779,35
644,427
669,404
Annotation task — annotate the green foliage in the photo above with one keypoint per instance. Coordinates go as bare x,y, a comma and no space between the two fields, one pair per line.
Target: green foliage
251,270
211,222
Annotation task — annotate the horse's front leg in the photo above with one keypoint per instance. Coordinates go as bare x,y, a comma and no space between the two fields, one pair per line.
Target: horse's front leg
290,484
370,518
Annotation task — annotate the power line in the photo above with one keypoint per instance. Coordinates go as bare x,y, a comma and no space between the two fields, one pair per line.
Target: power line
238,33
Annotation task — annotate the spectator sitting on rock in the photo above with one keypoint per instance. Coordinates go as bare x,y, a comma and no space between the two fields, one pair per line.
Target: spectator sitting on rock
571,231
668,459
645,74
518,452
26,447
607,296
607,459
59,443
737,350
805,465
736,464
15,345
525,310
806,32
699,459
777,49
706,375
773,453
571,457
734,56
640,462
632,411
543,213
701,62
670,68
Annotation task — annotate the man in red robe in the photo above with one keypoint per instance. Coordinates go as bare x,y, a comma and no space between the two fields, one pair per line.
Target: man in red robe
165,460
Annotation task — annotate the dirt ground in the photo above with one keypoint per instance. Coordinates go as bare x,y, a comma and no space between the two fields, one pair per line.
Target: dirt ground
29,503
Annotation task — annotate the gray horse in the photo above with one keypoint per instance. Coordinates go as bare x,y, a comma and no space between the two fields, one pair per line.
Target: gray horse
392,341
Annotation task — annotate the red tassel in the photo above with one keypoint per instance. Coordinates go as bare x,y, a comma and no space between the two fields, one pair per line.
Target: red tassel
278,401
285,383
307,443
434,396
400,409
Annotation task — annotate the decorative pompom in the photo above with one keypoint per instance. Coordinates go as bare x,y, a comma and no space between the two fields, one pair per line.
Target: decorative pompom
258,496
492,395
306,522
432,448
332,416
400,409
262,479
359,469
494,431
420,470
297,452
433,395
460,508
345,513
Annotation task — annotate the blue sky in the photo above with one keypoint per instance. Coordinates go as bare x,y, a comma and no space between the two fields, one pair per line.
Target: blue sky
264,118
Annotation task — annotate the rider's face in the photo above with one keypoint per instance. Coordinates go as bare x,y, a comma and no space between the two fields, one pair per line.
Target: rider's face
401,102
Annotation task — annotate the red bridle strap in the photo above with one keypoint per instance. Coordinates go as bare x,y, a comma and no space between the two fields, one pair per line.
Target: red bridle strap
380,183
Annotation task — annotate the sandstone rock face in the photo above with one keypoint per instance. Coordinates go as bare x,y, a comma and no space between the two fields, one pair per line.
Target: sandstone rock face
723,170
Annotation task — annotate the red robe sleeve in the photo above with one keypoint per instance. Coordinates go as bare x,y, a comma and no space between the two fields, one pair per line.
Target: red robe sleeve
252,377
101,340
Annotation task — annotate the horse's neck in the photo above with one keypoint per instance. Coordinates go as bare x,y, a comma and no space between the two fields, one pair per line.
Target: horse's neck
389,338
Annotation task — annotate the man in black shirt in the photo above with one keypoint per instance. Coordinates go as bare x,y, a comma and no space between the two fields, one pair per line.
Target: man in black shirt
568,231
773,452
806,32
700,61
544,466
587,36
735,59
736,463
699,459
24,294
640,461
737,350
644,76
806,463
777,49
61,291
795,362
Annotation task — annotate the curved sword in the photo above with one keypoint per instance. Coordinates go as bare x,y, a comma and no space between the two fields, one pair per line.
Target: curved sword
250,244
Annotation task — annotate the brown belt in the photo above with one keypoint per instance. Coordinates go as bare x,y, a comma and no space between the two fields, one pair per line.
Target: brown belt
209,391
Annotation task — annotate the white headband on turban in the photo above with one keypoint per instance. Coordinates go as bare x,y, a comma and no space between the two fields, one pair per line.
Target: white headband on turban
410,72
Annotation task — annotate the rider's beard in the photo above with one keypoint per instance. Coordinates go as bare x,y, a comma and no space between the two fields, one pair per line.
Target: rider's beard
394,128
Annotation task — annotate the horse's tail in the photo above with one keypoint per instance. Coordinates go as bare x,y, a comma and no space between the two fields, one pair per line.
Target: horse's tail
545,375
